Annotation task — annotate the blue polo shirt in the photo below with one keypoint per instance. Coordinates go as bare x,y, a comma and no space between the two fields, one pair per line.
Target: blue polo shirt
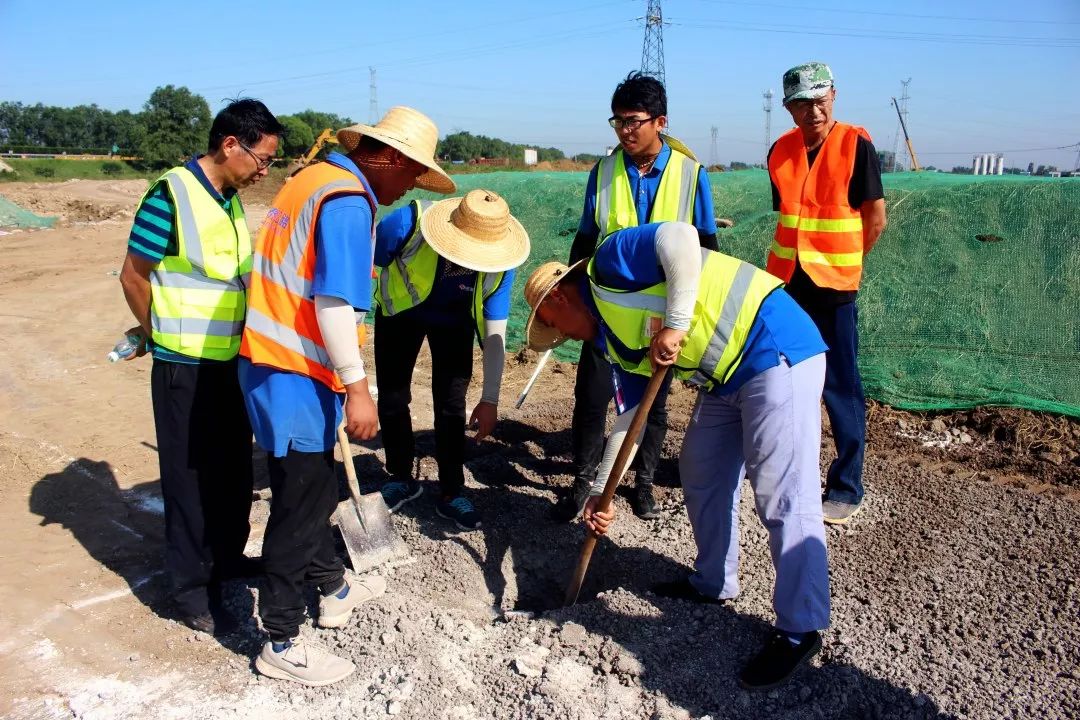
290,411
644,188
627,261
450,301
153,237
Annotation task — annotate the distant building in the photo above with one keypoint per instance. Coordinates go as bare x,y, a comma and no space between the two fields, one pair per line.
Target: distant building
530,156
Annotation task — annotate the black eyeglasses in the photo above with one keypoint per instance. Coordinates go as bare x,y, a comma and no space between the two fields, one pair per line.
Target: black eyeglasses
630,124
260,163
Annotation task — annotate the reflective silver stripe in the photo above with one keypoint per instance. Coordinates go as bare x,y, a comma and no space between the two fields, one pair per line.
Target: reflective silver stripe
687,191
287,338
285,273
196,326
401,262
634,300
196,281
725,326
491,282
605,176
185,217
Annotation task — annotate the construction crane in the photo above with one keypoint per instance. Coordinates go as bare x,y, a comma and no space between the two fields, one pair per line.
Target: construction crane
910,149
326,136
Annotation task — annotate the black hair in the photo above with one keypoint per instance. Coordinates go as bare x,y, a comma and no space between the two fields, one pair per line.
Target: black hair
245,119
640,92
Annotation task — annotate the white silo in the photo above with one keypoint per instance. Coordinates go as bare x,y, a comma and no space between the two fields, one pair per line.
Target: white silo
976,168
1001,165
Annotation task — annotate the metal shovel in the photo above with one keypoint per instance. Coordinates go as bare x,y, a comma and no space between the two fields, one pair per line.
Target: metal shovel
364,520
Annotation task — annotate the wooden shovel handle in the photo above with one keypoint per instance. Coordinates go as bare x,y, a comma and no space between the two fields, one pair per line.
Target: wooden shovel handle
617,470
347,459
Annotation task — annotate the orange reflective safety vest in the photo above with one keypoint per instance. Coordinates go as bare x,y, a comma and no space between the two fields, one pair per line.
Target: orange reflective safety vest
281,329
816,223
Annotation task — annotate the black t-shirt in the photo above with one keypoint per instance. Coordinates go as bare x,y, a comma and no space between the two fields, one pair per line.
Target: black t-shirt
865,186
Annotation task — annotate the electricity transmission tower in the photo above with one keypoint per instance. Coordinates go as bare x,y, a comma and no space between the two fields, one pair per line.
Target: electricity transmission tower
1077,169
898,164
767,107
373,102
652,50
714,151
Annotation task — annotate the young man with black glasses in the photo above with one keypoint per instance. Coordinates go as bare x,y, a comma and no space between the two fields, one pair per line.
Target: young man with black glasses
651,177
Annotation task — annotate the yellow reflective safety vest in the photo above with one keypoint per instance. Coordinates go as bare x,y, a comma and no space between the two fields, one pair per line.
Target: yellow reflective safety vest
615,207
198,296
730,294
408,279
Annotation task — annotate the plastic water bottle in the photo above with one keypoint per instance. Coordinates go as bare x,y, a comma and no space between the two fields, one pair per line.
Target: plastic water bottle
125,348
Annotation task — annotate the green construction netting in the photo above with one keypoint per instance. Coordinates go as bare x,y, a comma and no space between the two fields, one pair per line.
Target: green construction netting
13,216
972,296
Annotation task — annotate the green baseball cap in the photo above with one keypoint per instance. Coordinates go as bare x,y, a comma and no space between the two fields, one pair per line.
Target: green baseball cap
807,81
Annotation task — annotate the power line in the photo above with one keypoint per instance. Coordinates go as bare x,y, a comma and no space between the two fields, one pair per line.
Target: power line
976,152
849,11
829,31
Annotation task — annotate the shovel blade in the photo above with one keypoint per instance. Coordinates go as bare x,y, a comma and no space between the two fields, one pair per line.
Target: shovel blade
369,534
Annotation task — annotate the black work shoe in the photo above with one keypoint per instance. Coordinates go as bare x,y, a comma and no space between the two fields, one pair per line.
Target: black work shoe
684,590
220,626
778,660
644,502
572,504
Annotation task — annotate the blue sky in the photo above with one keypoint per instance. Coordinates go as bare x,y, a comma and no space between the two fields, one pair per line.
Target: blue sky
987,75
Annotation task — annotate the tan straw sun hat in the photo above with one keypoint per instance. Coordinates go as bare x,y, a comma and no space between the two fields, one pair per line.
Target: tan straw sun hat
676,144
539,335
476,232
413,134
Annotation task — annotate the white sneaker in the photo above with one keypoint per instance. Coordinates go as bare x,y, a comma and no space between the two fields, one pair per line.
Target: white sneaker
304,663
334,612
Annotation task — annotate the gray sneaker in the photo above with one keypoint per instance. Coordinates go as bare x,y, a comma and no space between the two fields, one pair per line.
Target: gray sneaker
334,612
304,663
838,513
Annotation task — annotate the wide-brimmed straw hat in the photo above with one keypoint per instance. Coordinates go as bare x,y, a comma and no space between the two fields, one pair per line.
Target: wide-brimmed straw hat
676,144
476,232
413,134
539,335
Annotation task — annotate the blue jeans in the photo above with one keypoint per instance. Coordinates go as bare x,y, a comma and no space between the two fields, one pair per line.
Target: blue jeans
844,400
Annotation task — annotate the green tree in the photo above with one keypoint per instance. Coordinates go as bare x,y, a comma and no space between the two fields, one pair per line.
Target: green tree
319,121
177,125
299,136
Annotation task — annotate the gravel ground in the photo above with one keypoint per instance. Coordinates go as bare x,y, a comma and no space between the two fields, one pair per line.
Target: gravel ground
954,596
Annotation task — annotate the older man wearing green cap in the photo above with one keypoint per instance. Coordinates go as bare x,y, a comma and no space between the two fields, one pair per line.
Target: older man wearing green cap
826,184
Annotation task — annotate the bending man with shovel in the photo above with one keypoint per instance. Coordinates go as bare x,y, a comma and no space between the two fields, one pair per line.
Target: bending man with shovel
651,297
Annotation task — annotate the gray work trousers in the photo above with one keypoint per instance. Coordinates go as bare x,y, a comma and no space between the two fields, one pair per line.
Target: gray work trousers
770,431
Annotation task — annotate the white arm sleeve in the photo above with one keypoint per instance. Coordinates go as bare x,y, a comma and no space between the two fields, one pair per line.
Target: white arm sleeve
494,358
679,253
337,323
611,449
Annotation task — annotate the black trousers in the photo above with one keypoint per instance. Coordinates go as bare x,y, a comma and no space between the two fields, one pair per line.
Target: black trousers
299,542
397,344
593,391
204,450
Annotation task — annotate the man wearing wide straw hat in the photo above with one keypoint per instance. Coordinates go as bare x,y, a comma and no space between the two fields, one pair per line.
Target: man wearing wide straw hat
309,289
447,272
651,298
